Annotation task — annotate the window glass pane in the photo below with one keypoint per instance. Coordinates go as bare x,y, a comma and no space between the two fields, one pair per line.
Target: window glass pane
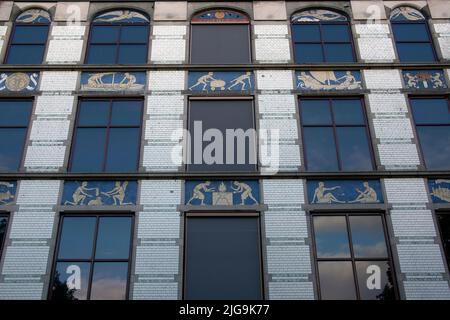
415,52
336,280
25,54
3,226
335,33
222,115
306,33
101,54
320,149
308,53
65,281
368,237
134,34
315,112
105,34
15,112
428,111
94,113
123,150
220,44
435,144
354,149
331,237
109,281
77,238
348,112
130,54
214,268
89,150
338,52
11,146
113,240
126,113
414,32
369,288
444,227
30,34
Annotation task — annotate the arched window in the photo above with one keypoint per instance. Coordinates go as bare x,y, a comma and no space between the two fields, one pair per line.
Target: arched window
412,36
322,36
118,37
220,36
28,38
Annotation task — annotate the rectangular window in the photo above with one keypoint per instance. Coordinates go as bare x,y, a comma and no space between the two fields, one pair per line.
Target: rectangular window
27,44
413,41
3,228
107,136
444,227
352,257
335,135
220,43
222,258
432,119
93,258
322,42
14,121
222,135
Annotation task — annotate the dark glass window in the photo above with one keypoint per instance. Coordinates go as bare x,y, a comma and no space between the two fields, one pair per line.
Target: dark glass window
335,135
92,259
432,119
14,120
28,42
412,38
118,41
223,259
107,136
444,227
352,257
216,117
321,41
3,227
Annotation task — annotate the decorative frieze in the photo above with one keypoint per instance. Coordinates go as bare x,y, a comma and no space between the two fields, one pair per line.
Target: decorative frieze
328,80
19,81
344,191
221,82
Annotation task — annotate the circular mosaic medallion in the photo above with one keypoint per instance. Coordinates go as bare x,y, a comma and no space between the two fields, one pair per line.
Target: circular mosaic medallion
17,81
220,14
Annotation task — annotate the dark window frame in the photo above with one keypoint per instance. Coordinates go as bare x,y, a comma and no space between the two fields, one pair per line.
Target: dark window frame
211,214
415,125
3,239
118,43
334,126
322,42
194,97
427,28
352,259
438,214
27,128
249,33
93,260
107,128
10,43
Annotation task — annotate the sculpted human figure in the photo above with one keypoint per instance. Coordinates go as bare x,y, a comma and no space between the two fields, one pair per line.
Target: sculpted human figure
204,80
245,190
368,195
80,194
198,194
241,80
118,193
321,196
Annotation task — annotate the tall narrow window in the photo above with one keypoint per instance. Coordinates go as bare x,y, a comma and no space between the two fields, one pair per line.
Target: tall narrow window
444,226
432,119
3,226
14,120
220,37
335,135
222,136
352,257
92,258
118,37
412,35
322,36
223,259
28,38
107,136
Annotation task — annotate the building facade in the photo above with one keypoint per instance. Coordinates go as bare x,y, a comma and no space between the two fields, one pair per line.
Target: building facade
225,150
